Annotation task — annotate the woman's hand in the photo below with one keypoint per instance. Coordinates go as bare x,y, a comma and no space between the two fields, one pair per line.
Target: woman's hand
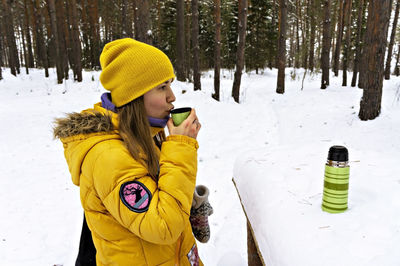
190,127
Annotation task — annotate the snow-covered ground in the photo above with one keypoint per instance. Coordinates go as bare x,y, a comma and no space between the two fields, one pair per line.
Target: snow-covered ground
41,216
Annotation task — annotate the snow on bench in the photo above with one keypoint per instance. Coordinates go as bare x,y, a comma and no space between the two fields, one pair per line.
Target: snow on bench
281,193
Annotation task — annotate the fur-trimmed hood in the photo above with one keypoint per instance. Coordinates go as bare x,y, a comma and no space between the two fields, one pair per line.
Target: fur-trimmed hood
80,132
82,123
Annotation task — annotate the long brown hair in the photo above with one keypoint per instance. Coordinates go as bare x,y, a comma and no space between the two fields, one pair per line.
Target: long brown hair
134,129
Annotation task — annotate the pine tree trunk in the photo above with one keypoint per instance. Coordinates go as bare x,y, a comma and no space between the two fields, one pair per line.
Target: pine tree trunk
76,44
305,33
31,7
339,38
280,88
29,58
291,45
362,68
397,68
159,18
312,35
334,15
217,50
124,19
142,30
272,59
26,39
326,42
319,41
40,45
94,37
49,41
63,36
297,52
392,36
375,46
188,39
129,20
346,51
24,46
52,11
85,35
242,25
69,41
358,42
195,43
180,41
10,38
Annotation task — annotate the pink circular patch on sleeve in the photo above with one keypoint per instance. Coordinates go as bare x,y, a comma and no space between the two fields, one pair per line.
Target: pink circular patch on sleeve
135,196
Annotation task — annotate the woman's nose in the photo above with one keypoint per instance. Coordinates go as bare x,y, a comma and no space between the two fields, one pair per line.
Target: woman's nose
171,96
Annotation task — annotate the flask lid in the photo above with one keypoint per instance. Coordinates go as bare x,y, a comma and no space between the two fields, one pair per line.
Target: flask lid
338,153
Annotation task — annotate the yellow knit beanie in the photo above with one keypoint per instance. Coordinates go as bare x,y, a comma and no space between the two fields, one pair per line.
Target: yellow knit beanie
131,68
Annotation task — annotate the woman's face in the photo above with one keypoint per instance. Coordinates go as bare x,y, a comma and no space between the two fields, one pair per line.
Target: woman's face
158,101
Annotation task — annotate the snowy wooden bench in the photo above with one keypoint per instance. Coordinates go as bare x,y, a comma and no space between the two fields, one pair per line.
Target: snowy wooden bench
281,192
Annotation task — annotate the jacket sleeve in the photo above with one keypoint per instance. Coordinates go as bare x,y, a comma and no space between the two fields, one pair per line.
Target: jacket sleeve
169,208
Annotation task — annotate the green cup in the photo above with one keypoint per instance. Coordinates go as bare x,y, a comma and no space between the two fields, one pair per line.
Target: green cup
336,181
180,114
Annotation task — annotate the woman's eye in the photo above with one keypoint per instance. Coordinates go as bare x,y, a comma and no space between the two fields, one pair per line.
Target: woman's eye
163,87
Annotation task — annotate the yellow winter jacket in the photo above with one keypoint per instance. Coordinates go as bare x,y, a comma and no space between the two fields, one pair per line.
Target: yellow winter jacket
133,220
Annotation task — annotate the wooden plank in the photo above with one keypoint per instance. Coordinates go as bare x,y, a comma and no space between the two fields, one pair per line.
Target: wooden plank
254,255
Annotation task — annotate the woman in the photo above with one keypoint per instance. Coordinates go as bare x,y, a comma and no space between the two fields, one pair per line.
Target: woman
136,184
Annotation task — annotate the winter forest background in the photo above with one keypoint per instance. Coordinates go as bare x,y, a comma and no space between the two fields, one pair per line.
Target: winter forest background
279,74
317,35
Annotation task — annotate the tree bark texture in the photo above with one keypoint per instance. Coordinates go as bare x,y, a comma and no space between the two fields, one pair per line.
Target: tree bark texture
195,43
13,60
397,68
217,50
22,37
305,33
63,36
48,35
180,41
375,46
280,88
94,35
142,29
358,42
242,25
326,45
339,38
85,34
188,38
59,67
75,42
346,50
126,19
41,49
297,52
392,36
312,35
362,68
28,37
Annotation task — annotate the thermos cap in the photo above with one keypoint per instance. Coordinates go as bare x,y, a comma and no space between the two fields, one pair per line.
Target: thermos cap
338,153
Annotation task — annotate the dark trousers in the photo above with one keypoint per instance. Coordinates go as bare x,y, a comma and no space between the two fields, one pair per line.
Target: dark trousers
87,251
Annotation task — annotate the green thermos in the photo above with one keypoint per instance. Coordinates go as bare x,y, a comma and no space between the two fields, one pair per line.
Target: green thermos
336,181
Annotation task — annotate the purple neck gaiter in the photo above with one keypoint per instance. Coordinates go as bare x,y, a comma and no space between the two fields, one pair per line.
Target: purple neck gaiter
107,104
158,122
